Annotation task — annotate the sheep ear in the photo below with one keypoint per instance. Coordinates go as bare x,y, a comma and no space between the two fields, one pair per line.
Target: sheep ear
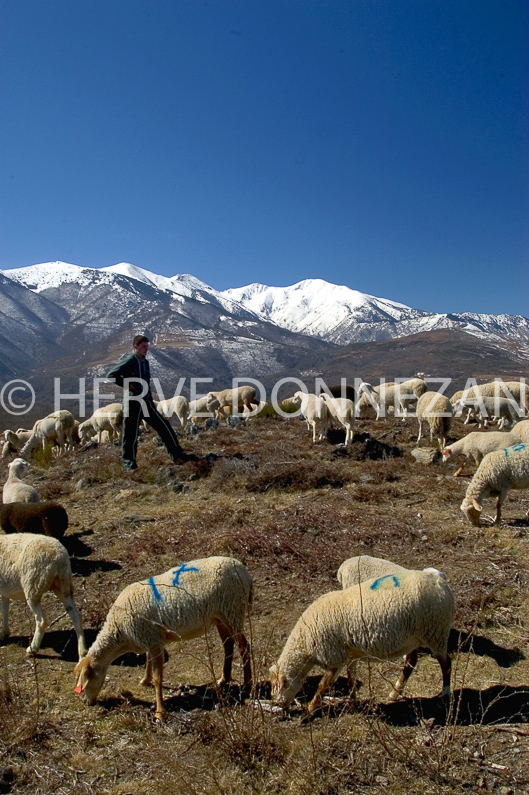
476,505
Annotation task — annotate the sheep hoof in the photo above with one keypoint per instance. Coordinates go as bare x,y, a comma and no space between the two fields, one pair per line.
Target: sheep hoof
160,717
146,681
30,652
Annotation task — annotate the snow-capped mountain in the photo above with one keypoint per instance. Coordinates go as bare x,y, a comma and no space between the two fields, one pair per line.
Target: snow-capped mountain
341,315
255,329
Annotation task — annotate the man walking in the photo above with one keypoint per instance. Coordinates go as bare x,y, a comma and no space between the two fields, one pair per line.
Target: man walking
133,374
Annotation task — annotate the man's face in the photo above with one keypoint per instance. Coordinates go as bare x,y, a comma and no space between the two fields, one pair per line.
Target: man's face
141,348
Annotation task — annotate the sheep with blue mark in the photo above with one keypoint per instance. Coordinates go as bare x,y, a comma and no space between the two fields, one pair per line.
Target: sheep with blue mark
498,473
181,604
382,618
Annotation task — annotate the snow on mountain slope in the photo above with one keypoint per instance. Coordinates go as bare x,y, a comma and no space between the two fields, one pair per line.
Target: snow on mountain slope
312,307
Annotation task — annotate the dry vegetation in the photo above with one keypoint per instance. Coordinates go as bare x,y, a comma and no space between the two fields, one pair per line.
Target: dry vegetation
292,512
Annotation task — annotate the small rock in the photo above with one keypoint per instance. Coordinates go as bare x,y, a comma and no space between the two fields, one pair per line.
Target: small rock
211,423
82,484
426,455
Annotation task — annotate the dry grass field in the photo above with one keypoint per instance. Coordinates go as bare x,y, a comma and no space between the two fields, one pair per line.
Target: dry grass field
292,512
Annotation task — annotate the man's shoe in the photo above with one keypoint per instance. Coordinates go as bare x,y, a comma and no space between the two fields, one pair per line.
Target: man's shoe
129,467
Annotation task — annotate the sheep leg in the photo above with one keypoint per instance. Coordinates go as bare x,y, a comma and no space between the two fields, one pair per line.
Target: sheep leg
446,667
351,679
244,649
499,502
5,622
458,473
40,621
156,658
410,661
76,621
420,432
228,642
325,682
146,679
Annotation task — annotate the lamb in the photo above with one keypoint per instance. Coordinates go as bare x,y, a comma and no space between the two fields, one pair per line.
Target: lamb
384,396
107,418
57,428
521,429
381,618
177,406
14,441
15,490
499,472
30,566
236,398
48,518
181,604
436,409
315,411
342,410
477,444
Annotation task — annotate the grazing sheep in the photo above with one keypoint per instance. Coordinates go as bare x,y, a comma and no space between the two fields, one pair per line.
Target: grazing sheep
382,618
343,411
315,411
364,567
384,396
499,472
30,566
485,408
14,442
521,429
48,518
477,444
417,385
513,390
236,398
177,406
436,409
15,490
107,418
179,605
202,408
55,429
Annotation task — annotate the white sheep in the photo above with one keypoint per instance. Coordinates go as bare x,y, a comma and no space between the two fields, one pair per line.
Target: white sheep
385,396
30,566
486,407
181,604
364,567
237,399
513,390
417,385
107,418
202,408
177,406
15,490
55,429
315,411
477,444
499,472
15,441
343,411
521,429
382,618
436,409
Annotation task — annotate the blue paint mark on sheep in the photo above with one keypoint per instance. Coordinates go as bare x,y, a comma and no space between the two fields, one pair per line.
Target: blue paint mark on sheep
180,570
154,589
378,582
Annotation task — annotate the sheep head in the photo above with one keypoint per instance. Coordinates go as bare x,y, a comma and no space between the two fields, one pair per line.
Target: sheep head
472,510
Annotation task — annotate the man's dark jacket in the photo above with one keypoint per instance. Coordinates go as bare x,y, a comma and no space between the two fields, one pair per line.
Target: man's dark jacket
132,367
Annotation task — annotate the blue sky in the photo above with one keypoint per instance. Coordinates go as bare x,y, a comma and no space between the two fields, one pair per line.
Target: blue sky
380,144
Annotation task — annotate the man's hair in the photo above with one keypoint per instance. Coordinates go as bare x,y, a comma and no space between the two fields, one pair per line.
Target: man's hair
139,338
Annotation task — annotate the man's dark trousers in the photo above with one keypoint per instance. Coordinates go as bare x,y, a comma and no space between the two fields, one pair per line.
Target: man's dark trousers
131,429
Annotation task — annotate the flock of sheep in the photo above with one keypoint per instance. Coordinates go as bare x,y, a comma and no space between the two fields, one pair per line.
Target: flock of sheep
383,611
